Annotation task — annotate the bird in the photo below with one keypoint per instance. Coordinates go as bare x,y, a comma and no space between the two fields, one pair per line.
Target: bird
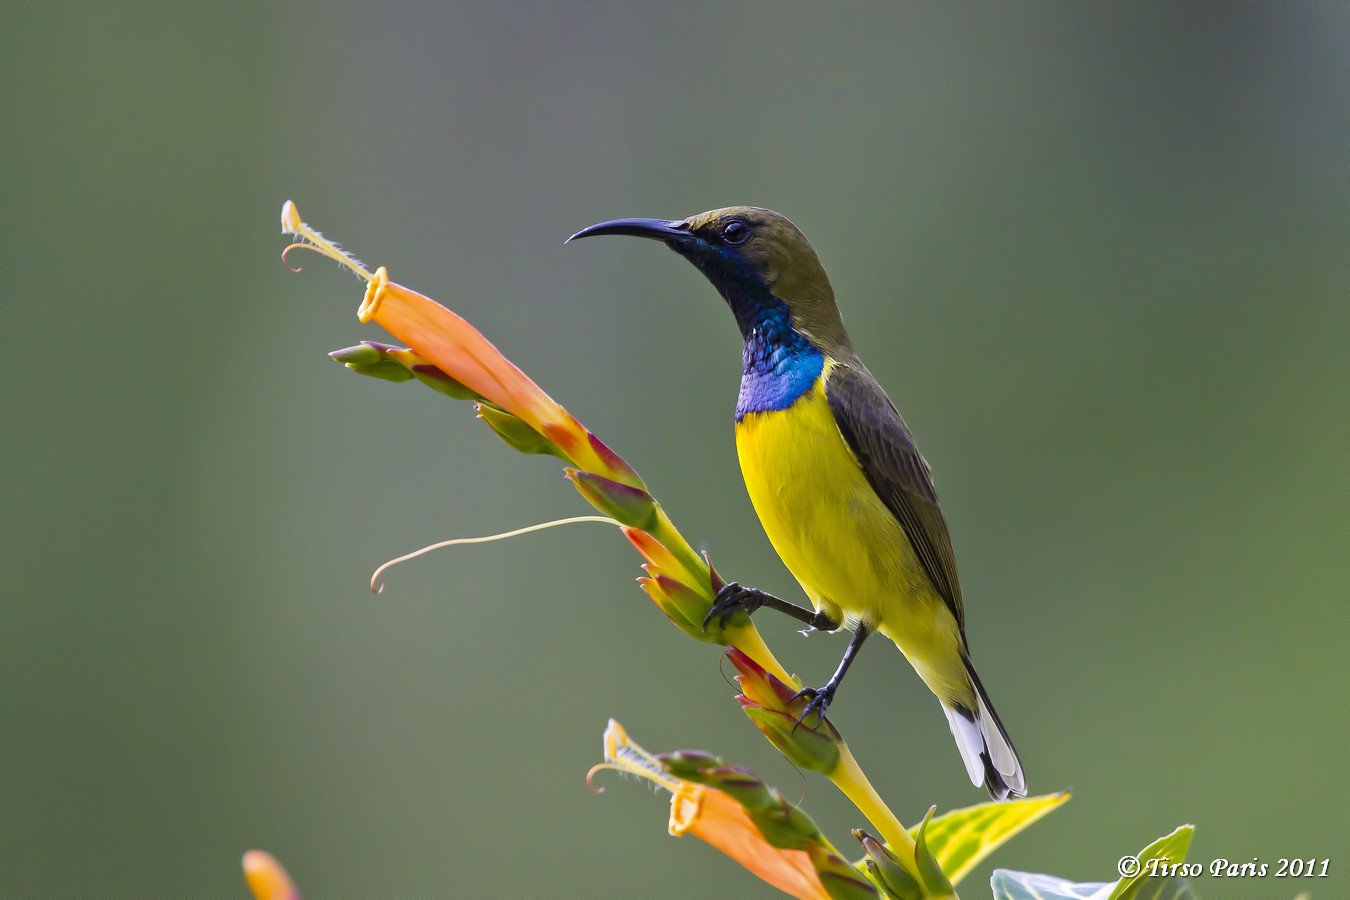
834,475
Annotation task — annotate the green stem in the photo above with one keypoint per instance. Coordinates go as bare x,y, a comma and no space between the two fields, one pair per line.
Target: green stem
696,570
848,776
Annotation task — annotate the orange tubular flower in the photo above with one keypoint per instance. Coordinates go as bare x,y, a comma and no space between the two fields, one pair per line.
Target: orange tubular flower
714,816
266,877
461,352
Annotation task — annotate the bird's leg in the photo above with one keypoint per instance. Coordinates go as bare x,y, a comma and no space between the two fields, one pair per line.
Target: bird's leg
818,699
734,598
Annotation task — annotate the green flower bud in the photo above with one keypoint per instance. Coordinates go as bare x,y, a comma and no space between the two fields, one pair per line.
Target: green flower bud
516,432
886,870
807,749
615,464
687,764
437,380
363,354
748,791
632,506
770,705
681,604
383,369
841,879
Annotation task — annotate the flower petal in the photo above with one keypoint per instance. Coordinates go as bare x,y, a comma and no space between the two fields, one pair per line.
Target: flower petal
714,817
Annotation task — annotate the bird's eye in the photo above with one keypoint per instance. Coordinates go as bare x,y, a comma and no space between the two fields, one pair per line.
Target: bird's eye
735,232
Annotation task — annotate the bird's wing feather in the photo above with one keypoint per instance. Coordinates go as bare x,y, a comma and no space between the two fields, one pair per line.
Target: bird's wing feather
882,444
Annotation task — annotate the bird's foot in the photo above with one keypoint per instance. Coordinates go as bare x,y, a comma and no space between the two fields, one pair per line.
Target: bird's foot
734,598
731,599
817,701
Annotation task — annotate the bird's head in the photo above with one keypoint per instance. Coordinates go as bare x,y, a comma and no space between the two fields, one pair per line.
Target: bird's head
756,258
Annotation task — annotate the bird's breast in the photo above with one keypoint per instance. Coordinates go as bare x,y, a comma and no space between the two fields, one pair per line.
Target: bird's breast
823,518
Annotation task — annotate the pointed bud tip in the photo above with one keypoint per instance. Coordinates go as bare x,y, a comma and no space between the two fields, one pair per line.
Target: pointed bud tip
362,354
632,506
743,663
290,218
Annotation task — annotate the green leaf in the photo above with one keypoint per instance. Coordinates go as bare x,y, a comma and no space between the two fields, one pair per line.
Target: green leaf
1142,885
935,881
962,838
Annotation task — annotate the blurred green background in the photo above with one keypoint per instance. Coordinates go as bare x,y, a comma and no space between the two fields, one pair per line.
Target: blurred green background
1096,254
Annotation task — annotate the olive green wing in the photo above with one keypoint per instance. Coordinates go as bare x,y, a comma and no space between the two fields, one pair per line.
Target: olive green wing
882,444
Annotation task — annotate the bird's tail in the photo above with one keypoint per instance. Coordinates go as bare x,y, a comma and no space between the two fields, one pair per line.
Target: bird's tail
985,747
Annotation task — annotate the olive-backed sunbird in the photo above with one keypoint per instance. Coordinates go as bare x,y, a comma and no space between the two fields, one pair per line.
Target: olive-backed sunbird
843,494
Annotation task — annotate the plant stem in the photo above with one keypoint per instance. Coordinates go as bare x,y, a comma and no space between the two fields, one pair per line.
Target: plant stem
850,779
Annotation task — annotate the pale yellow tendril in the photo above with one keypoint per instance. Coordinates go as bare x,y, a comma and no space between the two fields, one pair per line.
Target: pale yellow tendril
378,587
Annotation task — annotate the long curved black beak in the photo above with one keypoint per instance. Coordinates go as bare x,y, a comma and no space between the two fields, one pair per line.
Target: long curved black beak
671,232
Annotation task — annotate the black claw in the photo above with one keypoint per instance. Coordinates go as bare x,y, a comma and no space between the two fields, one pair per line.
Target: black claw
731,599
817,701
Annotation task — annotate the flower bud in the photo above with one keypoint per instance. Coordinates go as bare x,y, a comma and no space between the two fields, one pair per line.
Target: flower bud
807,749
886,870
739,783
385,370
684,763
841,879
631,506
363,354
372,358
681,604
615,466
770,705
515,432
438,381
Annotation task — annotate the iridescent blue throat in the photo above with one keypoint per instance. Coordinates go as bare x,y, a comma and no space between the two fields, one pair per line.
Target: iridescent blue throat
778,364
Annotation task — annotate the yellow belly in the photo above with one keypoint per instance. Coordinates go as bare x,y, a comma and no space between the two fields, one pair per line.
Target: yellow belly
837,537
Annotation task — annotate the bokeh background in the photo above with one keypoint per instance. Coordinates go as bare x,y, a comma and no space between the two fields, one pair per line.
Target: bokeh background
1095,253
